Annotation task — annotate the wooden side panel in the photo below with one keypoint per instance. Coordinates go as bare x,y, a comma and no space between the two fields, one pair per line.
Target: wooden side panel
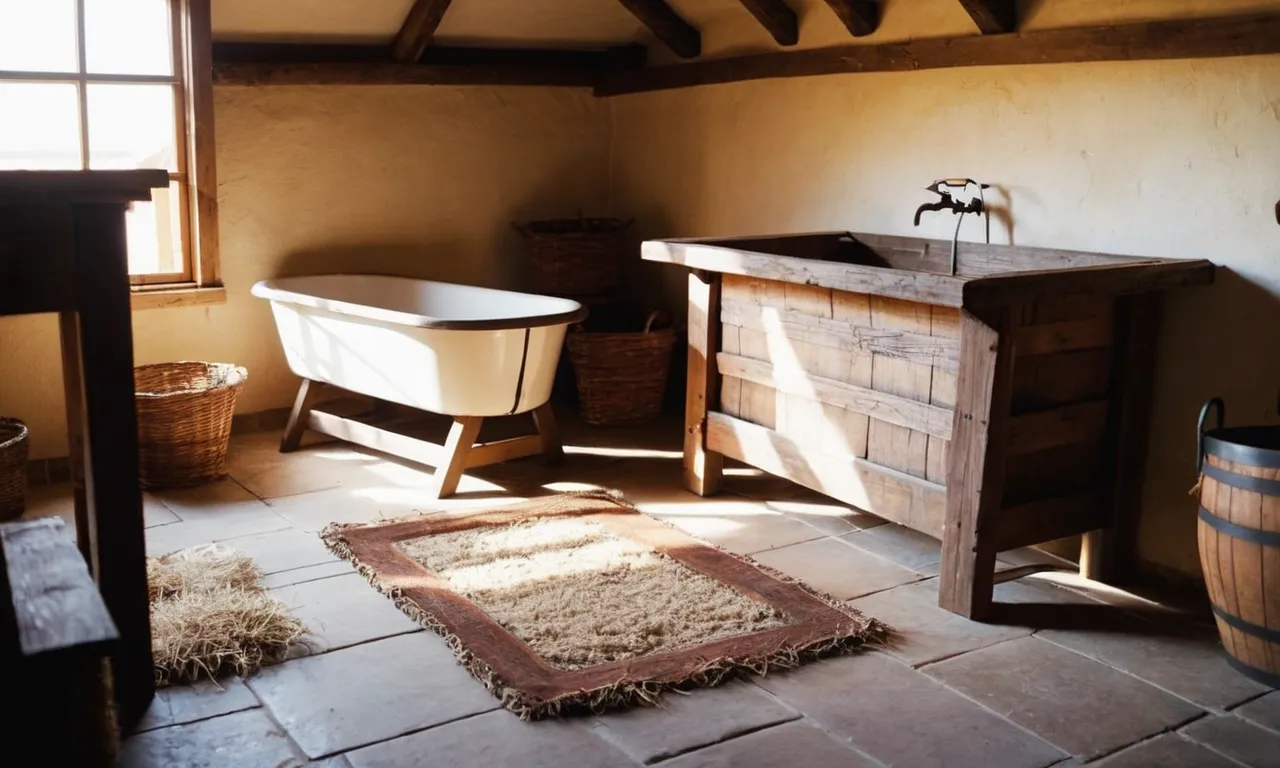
890,445
702,468
944,322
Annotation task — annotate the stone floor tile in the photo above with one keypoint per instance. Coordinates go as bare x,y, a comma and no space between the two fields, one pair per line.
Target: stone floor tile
179,704
1190,664
358,696
191,503
238,740
1264,711
899,716
1237,739
341,611
58,500
1168,750
684,722
155,512
246,519
337,761
283,550
1031,557
1074,702
495,740
900,545
840,570
741,527
303,575
926,632
313,511
790,745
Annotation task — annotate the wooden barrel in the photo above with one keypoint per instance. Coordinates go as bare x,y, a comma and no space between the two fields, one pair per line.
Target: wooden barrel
1239,535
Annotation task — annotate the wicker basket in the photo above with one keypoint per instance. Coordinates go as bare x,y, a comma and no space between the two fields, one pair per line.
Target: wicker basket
575,257
184,421
621,377
13,468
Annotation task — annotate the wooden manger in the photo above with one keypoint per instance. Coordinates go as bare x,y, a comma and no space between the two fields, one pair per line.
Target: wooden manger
1001,407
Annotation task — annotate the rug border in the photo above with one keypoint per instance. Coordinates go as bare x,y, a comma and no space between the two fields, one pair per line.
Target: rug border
526,685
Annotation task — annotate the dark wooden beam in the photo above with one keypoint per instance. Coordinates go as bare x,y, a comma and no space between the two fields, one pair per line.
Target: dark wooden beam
1156,40
993,17
418,27
667,26
776,17
297,64
860,17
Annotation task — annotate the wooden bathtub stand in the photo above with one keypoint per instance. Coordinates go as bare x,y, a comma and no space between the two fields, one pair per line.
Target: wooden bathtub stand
459,452
1001,407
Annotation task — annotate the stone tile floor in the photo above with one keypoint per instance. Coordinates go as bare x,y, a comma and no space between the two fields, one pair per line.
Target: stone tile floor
1075,672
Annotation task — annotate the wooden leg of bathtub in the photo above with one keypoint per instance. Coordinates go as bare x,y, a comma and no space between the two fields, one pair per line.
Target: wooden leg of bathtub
549,433
462,435
298,416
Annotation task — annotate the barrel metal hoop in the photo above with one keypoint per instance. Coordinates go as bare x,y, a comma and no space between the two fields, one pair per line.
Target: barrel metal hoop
1248,670
1244,533
1243,482
1238,453
1247,627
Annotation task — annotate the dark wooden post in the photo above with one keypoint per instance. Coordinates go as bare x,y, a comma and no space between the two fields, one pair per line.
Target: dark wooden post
976,460
1108,554
702,468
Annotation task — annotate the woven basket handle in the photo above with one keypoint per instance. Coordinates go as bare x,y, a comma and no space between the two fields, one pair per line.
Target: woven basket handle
654,316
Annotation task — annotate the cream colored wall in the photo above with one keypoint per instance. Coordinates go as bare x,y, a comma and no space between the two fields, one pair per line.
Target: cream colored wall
1175,159
418,181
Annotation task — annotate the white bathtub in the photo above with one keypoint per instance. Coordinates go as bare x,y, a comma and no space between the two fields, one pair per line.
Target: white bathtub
457,350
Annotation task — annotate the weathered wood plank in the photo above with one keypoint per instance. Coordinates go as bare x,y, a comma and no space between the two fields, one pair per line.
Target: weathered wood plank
1065,336
667,26
702,467
789,379
1042,430
1059,471
993,17
777,18
1042,382
202,166
895,496
730,388
945,324
975,475
1152,40
892,444
919,348
759,402
1105,279
902,284
418,28
974,259
860,17
1049,519
56,604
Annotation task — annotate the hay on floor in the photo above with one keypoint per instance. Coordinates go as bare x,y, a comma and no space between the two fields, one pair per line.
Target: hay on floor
210,617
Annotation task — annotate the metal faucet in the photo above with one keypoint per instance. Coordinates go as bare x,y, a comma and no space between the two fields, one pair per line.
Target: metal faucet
948,189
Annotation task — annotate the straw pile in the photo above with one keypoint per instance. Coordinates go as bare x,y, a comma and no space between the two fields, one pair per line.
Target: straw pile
210,617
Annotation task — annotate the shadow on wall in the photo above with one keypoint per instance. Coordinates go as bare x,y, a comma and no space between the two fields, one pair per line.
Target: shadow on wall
451,261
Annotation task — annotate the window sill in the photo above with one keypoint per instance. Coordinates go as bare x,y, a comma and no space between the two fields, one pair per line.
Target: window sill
177,296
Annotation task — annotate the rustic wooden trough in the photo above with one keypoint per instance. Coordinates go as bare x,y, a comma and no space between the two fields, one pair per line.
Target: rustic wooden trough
1004,406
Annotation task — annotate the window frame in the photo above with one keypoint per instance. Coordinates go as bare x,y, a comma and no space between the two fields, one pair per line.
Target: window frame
191,45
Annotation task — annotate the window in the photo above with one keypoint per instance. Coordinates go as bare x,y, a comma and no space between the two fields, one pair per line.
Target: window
119,84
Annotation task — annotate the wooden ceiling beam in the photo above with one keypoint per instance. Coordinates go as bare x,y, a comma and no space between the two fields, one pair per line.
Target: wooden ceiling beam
993,17
777,18
860,17
418,28
1153,40
667,26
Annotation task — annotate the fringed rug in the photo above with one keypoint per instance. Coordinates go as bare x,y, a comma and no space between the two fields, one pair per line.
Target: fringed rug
211,617
578,602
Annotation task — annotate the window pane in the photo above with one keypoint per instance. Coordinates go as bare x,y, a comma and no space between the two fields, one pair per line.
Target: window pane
154,232
127,37
38,35
132,126
39,126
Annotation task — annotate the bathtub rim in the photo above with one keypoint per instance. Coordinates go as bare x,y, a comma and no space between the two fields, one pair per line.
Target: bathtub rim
271,290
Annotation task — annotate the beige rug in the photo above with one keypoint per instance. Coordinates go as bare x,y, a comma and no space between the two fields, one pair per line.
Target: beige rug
579,602
210,616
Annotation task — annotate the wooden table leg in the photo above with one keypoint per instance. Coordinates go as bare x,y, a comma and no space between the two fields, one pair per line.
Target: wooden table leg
112,493
549,433
462,435
703,469
73,395
975,474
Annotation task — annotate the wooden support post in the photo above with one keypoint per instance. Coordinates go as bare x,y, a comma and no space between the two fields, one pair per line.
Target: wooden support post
462,435
777,18
1108,554
73,396
993,17
702,468
860,17
549,434
975,472
418,28
667,26
297,423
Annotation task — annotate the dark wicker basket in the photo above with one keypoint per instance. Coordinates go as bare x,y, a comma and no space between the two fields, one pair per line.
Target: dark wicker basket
13,468
184,421
621,377
575,257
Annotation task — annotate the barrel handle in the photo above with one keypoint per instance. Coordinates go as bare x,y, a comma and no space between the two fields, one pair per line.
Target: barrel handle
1204,414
